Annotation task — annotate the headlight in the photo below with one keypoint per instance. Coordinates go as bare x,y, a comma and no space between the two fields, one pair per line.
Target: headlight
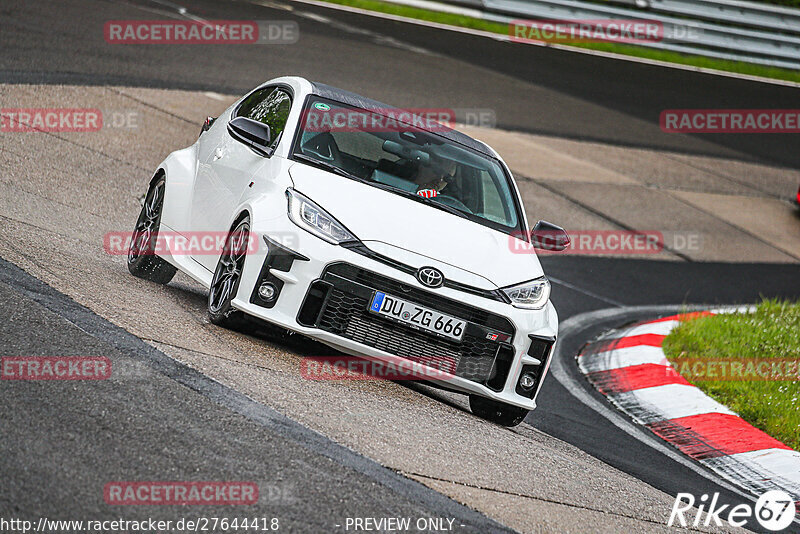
531,295
316,220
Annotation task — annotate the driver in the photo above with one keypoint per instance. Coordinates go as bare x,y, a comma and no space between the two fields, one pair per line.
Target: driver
437,174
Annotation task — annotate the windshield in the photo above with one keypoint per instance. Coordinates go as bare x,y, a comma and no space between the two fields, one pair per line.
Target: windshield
378,147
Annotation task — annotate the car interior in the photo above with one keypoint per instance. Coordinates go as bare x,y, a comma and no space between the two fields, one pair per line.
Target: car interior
408,160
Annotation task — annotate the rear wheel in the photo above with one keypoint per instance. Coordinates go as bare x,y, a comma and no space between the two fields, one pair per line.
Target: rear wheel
227,277
497,412
142,259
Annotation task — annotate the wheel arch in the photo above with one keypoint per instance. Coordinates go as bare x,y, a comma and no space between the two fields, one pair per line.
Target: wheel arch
161,171
242,213
179,170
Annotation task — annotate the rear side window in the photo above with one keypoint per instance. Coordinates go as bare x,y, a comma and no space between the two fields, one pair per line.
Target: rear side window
271,106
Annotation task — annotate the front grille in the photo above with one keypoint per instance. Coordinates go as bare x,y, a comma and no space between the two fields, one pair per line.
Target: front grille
360,248
425,298
345,313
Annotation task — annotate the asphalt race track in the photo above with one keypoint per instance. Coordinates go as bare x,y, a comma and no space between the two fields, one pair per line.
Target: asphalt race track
144,414
529,88
165,420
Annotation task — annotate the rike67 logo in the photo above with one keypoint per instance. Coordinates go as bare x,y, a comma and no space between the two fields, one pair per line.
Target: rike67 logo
774,510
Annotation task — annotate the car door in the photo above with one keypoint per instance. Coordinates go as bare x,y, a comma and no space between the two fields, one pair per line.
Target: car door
231,166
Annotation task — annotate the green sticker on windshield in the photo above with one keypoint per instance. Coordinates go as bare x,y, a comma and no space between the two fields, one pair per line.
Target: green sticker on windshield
322,106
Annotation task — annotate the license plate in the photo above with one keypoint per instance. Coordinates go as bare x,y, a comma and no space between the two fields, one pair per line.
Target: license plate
419,316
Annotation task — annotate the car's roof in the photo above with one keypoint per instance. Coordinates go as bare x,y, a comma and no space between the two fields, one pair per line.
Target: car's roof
356,100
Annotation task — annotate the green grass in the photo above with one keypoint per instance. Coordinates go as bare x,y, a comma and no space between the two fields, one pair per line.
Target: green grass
626,49
772,332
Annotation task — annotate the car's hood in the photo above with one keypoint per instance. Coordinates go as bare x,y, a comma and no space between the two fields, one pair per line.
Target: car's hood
397,226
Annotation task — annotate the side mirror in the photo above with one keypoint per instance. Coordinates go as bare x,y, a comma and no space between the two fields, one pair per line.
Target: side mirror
548,236
252,133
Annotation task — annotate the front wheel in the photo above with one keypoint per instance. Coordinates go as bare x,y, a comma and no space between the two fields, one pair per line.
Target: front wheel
227,277
497,412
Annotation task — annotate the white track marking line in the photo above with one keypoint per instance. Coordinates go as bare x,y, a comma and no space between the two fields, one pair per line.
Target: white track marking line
217,96
619,358
761,470
671,401
377,38
585,291
783,461
734,309
661,328
180,10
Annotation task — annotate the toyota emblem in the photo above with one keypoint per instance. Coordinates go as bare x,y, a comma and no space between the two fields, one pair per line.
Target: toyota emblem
428,276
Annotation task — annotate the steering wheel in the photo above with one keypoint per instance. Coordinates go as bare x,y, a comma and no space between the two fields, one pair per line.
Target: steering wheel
452,202
323,146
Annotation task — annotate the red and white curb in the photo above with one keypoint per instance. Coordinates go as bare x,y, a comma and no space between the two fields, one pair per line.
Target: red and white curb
629,367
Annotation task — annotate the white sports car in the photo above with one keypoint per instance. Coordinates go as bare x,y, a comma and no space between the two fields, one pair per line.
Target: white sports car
383,235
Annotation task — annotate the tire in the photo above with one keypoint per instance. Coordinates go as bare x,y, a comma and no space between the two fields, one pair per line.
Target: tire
497,412
142,260
227,277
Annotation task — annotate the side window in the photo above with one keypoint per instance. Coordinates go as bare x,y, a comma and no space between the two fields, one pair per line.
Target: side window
494,207
270,106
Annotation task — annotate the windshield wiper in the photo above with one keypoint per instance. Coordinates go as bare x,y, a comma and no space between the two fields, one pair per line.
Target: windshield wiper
416,197
327,166
448,209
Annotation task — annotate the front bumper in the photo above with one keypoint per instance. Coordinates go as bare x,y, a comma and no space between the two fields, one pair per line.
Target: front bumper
324,291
